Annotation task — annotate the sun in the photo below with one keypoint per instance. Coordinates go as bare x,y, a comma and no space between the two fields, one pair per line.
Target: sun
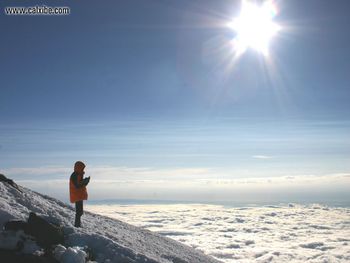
254,27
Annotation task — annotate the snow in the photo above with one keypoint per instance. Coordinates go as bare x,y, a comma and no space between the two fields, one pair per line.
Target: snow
279,233
110,240
14,240
70,254
9,240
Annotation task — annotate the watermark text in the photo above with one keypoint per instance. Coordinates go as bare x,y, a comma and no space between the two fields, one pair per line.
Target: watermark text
37,10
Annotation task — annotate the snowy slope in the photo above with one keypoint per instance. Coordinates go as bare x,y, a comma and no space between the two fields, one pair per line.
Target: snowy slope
110,240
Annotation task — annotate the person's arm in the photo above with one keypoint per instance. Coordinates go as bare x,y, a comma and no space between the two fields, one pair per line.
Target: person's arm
86,181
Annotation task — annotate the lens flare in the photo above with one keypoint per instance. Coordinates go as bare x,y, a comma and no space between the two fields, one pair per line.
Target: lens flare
254,27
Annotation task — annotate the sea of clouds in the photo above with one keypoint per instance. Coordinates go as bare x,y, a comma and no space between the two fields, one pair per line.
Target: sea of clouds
282,233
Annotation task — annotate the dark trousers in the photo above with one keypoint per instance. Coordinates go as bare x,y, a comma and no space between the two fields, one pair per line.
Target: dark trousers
78,213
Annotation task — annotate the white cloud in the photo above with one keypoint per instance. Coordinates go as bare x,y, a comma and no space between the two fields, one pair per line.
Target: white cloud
110,172
284,188
37,171
263,157
110,182
280,233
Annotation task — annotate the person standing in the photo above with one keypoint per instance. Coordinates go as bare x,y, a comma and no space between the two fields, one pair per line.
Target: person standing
77,190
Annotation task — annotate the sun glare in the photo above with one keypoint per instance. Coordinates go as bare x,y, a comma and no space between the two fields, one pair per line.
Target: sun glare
254,27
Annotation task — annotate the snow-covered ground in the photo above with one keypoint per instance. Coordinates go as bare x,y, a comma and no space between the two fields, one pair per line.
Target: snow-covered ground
109,239
285,233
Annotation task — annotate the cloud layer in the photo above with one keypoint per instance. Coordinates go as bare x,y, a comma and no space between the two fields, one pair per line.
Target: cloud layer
187,184
289,233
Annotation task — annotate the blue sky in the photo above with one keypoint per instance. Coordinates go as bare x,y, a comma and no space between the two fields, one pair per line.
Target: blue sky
139,85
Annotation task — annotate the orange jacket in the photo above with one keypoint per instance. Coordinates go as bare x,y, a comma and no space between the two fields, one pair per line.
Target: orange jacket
77,194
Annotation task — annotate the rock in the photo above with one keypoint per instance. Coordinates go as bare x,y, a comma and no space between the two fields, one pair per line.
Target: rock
4,179
45,233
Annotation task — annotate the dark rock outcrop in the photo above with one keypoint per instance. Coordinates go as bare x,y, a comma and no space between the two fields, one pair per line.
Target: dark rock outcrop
45,233
4,179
